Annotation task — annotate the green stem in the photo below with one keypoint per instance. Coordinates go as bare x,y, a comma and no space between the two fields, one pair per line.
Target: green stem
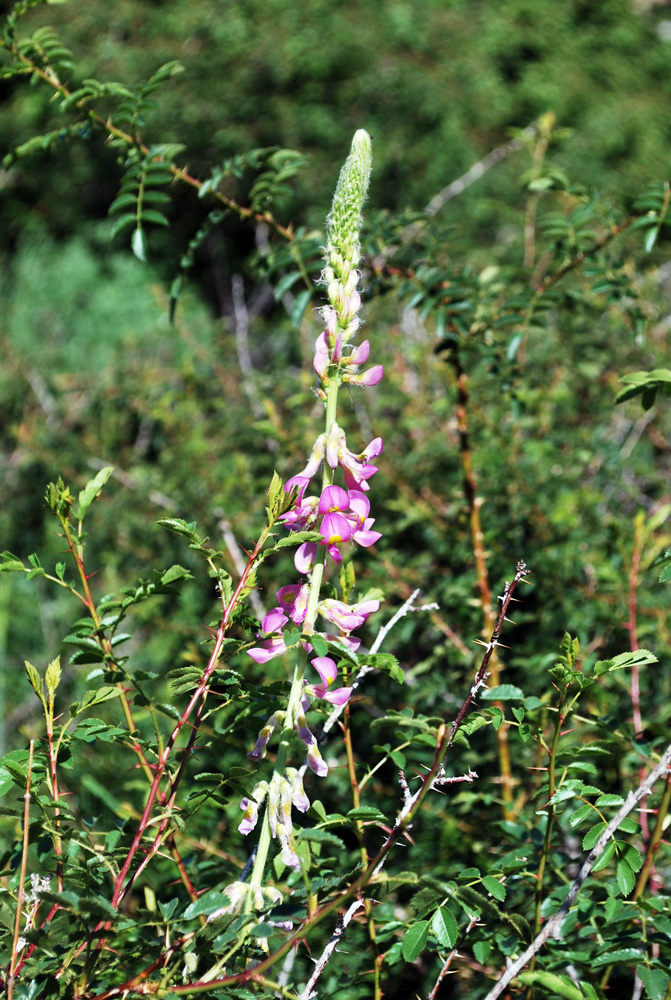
296,691
547,841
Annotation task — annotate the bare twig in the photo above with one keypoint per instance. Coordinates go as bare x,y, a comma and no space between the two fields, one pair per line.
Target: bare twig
551,926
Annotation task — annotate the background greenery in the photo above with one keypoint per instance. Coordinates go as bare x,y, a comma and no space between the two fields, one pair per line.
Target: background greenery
195,415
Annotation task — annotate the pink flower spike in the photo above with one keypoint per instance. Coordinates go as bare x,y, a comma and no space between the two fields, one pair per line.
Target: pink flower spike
334,498
305,556
335,528
296,482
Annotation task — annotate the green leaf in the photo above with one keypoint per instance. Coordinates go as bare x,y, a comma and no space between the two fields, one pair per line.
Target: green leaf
609,800
206,904
10,563
560,986
176,572
625,876
387,663
639,658
53,676
319,645
35,681
298,307
103,693
366,813
123,222
494,887
502,692
178,526
92,490
151,215
414,940
444,926
604,860
624,956
138,244
651,238
584,812
591,837
655,982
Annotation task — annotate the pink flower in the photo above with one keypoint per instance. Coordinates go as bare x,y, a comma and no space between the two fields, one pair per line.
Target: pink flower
335,528
305,557
368,378
294,601
347,616
356,467
334,498
268,649
328,672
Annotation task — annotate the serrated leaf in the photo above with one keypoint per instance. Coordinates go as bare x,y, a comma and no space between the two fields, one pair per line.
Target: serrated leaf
655,982
366,813
151,215
624,956
104,693
591,837
206,904
605,858
53,676
176,572
178,526
625,876
584,812
414,940
609,800
92,490
122,201
123,222
444,926
35,679
10,563
494,887
639,658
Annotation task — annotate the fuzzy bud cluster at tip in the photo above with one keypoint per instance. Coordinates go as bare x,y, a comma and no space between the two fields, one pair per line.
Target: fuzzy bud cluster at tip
341,277
344,222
